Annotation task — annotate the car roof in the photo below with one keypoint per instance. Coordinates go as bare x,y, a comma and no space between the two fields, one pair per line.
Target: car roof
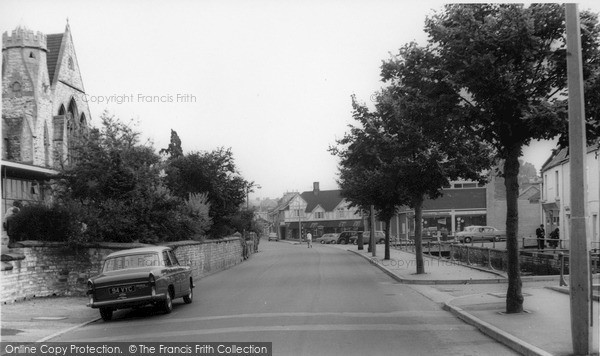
139,250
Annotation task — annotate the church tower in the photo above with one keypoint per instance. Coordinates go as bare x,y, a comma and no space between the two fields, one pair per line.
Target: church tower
26,97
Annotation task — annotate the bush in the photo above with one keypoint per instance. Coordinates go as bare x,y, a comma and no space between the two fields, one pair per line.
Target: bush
45,223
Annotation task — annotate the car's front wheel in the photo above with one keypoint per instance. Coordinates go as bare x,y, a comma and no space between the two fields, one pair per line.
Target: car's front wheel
167,305
190,296
322,242
106,314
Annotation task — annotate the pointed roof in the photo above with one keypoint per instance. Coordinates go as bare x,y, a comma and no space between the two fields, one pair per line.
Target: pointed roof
53,43
327,199
283,202
561,156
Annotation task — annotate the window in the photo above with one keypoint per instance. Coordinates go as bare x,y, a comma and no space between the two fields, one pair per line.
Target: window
341,213
173,258
71,65
166,259
16,87
319,215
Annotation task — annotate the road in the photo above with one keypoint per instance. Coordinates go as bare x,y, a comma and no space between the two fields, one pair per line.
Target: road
319,301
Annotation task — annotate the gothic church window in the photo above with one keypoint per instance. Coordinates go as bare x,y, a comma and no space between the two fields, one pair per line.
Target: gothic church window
71,65
61,110
31,55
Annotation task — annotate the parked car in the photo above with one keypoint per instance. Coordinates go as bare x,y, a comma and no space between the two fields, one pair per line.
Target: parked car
345,237
330,238
273,236
138,277
478,233
379,235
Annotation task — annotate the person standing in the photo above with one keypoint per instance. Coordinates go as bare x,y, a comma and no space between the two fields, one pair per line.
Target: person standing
540,233
309,239
554,238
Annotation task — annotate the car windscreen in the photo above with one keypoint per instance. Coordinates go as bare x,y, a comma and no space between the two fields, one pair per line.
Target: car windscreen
131,261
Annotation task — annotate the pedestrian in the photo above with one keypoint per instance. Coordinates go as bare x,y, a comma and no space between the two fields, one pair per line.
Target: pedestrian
540,233
309,239
554,238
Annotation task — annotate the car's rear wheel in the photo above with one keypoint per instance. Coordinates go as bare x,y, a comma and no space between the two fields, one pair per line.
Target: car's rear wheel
322,242
190,296
167,305
496,238
106,314
467,239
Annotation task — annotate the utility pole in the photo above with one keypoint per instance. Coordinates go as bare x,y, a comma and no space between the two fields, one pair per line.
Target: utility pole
372,241
579,264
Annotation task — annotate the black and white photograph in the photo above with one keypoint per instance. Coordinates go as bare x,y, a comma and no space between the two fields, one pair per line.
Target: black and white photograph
300,178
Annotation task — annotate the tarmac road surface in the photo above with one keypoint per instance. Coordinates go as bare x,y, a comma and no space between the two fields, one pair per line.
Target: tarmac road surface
319,301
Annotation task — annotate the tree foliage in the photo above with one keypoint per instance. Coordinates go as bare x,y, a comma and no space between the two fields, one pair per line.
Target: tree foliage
508,63
116,188
413,144
215,174
174,149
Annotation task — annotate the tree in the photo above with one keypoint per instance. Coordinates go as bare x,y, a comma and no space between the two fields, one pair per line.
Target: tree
508,64
215,174
115,189
364,178
415,142
174,149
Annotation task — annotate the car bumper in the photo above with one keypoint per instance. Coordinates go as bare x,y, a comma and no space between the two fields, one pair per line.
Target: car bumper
129,302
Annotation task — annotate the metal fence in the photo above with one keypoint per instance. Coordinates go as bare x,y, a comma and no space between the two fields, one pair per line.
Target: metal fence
553,261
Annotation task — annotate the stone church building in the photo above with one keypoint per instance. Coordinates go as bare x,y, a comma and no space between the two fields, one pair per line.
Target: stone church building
44,109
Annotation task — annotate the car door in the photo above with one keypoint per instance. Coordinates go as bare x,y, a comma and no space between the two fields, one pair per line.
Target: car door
170,272
180,274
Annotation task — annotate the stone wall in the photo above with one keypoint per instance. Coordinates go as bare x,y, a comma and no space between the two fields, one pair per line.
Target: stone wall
39,269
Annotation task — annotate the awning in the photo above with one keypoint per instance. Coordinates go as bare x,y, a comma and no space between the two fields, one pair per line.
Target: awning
551,206
26,171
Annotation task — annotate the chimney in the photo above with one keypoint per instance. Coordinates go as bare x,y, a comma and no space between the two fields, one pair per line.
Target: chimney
316,188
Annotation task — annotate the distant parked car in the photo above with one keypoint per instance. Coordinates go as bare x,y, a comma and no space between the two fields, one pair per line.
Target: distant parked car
137,277
273,236
346,236
379,235
479,233
330,238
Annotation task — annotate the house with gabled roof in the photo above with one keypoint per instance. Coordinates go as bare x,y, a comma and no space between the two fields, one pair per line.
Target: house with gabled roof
556,194
316,211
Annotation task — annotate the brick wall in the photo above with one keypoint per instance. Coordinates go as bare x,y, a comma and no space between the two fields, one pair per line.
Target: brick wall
55,269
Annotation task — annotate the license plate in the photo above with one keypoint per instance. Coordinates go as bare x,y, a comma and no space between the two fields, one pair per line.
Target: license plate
119,290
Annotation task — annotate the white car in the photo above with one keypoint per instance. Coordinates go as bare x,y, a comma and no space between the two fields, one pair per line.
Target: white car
273,236
474,233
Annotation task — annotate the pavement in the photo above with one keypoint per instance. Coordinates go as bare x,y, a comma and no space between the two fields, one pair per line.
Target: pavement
478,297
474,295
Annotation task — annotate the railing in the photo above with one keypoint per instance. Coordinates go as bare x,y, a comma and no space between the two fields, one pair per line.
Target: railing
554,261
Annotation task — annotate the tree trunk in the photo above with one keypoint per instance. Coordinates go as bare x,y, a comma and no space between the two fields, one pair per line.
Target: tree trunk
514,297
387,239
359,237
418,232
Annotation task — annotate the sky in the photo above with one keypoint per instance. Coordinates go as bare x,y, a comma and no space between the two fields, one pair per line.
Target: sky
272,80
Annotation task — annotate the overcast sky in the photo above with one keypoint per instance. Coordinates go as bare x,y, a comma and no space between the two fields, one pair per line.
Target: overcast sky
272,80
